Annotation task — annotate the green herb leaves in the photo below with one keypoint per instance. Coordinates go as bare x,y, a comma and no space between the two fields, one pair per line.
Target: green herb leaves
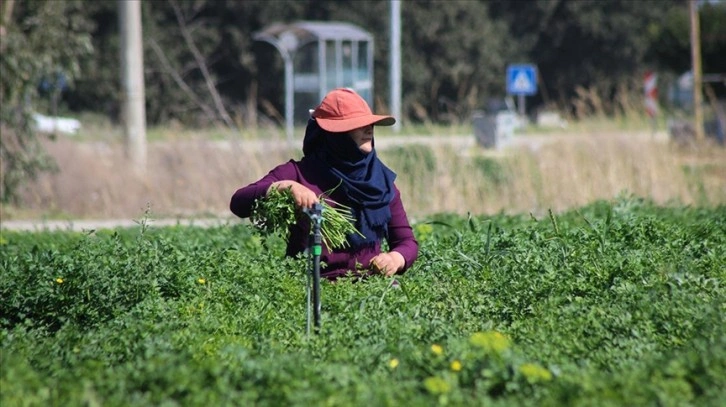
276,212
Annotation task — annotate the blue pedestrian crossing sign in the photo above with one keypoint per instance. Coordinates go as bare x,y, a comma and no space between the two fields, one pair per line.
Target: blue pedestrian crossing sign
522,79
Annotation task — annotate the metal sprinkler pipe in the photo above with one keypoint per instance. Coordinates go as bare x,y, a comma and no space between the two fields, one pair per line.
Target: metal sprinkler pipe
315,249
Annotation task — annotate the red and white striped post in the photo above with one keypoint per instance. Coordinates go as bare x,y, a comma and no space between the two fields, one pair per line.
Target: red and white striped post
650,86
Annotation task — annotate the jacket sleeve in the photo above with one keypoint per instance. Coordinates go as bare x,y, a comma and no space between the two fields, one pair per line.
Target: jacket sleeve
400,233
245,197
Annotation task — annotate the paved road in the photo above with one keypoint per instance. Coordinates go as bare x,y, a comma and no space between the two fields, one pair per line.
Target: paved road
98,224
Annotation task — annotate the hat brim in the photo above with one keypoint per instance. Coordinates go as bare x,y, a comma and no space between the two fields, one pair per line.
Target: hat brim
345,125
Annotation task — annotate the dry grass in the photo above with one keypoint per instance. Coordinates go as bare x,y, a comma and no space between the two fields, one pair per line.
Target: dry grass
184,178
196,178
569,172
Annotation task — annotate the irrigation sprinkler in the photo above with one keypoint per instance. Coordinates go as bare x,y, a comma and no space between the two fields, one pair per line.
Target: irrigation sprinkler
315,248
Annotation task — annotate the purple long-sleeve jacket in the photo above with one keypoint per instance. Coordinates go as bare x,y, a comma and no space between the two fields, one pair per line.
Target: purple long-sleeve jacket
338,262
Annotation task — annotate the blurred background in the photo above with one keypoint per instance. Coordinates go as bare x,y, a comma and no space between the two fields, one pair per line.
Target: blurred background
113,108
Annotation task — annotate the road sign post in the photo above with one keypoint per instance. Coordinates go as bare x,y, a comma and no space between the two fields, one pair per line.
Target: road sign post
521,81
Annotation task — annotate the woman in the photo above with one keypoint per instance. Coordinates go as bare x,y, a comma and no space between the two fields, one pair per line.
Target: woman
339,156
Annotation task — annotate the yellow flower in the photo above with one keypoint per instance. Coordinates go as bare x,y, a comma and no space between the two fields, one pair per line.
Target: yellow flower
456,366
491,341
535,373
436,385
201,281
59,280
437,349
393,363
423,231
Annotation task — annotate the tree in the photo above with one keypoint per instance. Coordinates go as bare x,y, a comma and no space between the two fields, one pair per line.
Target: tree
38,39
585,43
455,58
455,52
671,45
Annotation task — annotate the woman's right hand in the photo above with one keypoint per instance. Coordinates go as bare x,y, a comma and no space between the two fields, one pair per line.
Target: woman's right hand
304,196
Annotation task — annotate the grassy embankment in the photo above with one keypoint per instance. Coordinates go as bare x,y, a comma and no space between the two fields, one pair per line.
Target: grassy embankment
193,173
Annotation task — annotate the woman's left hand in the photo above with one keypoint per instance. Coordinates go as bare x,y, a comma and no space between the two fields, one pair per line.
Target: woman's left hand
388,264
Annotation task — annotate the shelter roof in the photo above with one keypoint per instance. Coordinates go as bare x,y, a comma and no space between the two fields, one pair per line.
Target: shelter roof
309,31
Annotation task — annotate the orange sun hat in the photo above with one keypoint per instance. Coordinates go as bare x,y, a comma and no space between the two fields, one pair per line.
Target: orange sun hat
343,110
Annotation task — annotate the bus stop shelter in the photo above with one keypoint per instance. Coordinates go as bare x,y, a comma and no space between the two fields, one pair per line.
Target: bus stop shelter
318,57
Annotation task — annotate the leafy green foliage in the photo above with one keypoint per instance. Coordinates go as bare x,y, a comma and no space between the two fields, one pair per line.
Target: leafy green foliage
42,39
276,212
590,44
616,303
455,56
672,44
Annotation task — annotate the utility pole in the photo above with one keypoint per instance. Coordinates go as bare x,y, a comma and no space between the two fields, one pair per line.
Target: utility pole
395,65
132,83
696,66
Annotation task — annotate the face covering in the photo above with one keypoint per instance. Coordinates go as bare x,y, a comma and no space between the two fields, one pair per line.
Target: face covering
366,181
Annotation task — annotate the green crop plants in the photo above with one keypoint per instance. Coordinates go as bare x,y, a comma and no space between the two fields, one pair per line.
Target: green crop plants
276,212
616,303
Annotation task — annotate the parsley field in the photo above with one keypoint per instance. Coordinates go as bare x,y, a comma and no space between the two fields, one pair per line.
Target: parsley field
616,303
